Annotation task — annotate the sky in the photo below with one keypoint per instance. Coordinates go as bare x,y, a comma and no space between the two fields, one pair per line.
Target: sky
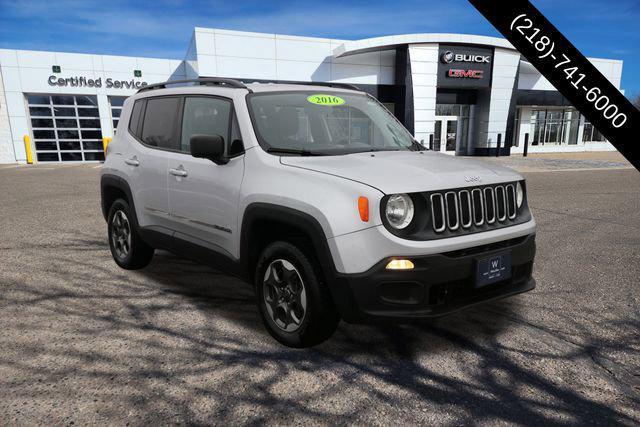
163,28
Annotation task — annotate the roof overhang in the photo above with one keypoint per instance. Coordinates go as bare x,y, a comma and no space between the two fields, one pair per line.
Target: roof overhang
390,42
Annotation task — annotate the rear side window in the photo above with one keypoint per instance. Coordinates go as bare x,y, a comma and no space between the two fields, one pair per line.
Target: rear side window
134,121
161,122
207,116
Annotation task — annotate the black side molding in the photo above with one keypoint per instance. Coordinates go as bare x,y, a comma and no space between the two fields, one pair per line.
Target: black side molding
108,181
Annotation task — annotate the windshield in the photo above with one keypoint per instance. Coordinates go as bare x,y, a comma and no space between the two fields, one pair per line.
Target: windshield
327,123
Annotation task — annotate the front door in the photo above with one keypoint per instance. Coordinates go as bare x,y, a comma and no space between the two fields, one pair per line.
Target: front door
446,137
203,196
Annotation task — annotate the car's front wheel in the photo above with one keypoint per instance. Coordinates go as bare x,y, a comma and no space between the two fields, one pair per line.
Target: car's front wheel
295,305
127,247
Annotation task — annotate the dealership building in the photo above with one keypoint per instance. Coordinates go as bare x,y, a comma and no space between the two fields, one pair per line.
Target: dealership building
459,94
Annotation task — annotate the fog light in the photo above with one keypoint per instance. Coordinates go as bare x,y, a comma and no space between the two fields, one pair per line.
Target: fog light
400,264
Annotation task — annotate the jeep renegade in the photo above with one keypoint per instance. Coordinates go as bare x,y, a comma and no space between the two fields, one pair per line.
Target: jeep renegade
316,195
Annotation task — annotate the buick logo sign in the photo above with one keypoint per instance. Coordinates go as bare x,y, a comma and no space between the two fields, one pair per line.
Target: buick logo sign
448,57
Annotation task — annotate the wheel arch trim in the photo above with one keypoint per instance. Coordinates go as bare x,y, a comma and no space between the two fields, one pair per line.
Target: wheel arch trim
259,211
109,180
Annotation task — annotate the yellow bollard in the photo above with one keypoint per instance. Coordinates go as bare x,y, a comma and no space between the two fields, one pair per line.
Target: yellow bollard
105,144
27,149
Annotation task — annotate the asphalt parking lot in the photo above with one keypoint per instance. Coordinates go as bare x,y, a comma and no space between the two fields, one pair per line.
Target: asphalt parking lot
84,342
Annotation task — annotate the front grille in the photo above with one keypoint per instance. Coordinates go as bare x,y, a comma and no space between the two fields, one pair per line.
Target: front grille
467,208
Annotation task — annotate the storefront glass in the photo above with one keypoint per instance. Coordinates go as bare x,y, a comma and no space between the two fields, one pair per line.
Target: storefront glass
555,126
591,134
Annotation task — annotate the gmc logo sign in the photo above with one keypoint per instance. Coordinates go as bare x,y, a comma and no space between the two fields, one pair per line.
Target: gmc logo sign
465,74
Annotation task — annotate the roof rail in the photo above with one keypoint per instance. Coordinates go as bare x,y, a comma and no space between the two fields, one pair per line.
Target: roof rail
208,81
329,84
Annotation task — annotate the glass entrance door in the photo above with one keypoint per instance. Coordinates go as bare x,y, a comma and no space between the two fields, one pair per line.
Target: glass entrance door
445,138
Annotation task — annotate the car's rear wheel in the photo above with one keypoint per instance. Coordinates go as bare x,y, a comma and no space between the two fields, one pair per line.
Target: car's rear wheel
128,249
295,305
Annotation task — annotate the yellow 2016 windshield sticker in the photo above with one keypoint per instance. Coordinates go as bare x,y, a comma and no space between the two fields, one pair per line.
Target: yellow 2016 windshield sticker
325,99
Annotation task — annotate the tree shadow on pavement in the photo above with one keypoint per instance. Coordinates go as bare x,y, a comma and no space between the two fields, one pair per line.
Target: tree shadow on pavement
180,342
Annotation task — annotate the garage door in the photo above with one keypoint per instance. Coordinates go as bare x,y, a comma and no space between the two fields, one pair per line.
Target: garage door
65,128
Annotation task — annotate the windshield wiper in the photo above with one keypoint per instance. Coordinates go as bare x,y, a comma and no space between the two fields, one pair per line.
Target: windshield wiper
276,150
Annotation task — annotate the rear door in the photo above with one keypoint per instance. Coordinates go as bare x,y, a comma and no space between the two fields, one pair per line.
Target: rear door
203,196
146,163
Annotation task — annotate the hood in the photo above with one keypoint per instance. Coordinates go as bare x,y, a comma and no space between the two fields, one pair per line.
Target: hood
406,171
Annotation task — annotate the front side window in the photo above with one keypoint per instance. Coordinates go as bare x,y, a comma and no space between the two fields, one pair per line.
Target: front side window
335,123
160,123
206,116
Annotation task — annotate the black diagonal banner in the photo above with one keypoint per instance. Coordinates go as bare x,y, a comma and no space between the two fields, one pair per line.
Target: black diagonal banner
568,70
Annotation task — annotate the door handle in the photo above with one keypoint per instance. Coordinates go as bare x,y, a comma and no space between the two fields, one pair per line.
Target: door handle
132,161
178,172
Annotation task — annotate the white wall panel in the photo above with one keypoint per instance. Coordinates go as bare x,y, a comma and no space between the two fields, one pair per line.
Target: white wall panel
19,128
153,66
303,71
207,66
35,80
8,58
97,62
119,63
423,80
424,103
7,153
424,91
15,103
423,54
205,43
11,77
424,68
501,94
365,74
245,47
246,67
302,50
28,58
369,58
74,61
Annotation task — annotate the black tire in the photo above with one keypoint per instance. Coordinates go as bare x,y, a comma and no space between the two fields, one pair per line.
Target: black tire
137,254
320,318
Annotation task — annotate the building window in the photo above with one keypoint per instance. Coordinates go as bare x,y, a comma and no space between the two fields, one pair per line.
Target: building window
116,103
591,134
65,128
555,126
461,110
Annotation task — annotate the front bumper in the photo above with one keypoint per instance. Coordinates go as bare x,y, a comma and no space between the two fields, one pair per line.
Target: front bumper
439,284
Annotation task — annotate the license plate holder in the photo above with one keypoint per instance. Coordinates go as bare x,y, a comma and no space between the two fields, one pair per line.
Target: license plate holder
495,268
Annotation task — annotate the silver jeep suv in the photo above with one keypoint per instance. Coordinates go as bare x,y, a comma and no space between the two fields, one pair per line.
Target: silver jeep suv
319,197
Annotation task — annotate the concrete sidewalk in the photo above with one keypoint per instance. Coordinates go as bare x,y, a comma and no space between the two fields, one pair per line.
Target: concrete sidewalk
545,162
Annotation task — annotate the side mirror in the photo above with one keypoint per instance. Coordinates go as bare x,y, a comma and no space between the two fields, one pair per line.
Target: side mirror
208,147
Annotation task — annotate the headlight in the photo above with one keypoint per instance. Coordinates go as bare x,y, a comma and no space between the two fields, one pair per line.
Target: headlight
399,211
519,194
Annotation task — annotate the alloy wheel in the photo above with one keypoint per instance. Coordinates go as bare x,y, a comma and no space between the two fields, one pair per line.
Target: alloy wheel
284,295
121,234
